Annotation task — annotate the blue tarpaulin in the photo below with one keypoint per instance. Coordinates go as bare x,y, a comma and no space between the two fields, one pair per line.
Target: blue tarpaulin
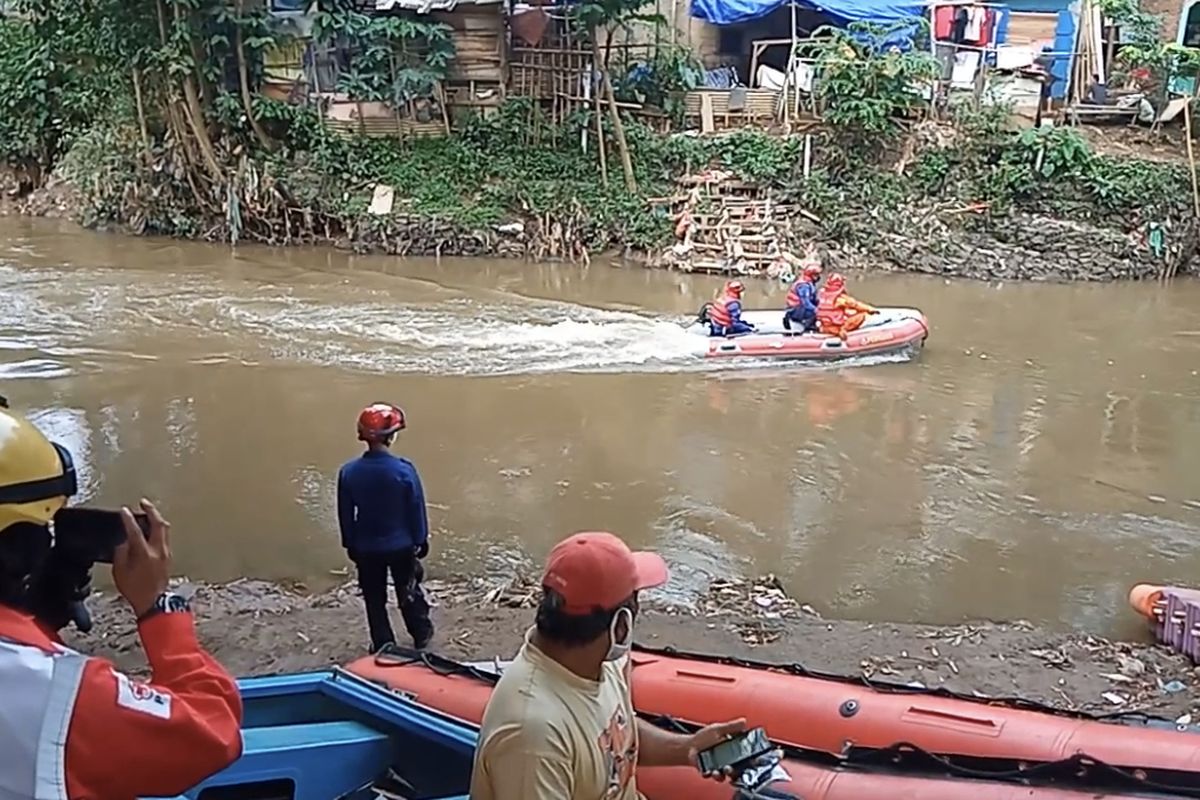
842,12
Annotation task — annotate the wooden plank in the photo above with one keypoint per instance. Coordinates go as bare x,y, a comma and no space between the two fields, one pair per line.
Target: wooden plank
382,127
1027,27
706,114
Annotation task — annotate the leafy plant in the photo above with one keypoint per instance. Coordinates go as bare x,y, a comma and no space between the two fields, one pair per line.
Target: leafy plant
54,79
1144,48
662,80
1055,152
392,59
866,83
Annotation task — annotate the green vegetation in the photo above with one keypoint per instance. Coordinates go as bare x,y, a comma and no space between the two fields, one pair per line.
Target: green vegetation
866,89
161,128
1144,48
1049,170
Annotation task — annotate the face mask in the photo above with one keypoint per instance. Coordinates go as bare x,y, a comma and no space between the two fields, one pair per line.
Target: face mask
618,650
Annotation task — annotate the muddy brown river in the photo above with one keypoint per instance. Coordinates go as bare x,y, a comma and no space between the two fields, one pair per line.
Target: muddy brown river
1040,456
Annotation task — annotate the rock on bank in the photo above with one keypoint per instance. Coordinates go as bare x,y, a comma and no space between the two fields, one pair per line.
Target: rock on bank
256,628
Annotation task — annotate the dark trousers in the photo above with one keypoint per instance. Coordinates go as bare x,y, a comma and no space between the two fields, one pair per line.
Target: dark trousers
738,327
407,572
796,314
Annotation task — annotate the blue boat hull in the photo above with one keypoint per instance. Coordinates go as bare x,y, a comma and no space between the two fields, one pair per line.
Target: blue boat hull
331,735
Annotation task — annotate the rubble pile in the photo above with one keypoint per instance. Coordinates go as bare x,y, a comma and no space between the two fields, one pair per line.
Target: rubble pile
724,225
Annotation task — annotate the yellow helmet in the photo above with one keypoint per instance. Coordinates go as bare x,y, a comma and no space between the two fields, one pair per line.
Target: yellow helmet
36,475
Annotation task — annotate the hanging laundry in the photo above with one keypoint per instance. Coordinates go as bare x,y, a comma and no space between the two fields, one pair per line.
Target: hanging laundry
943,22
988,27
976,17
958,30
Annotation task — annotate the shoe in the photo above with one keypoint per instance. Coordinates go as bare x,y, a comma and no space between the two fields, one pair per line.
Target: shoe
377,650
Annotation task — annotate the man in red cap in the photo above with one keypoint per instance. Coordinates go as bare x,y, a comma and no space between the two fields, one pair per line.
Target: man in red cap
560,723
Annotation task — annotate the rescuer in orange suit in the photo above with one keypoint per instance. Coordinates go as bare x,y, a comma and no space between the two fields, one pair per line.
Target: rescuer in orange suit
837,312
72,727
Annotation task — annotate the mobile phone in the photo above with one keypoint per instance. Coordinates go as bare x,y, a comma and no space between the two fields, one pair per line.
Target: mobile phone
93,533
735,752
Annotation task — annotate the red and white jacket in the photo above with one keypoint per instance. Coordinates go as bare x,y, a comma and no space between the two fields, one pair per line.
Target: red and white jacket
73,728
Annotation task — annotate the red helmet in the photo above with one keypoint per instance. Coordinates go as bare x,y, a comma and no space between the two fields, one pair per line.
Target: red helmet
836,280
379,421
811,272
735,287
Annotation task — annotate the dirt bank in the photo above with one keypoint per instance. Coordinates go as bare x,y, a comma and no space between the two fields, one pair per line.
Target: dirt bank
1045,237
259,628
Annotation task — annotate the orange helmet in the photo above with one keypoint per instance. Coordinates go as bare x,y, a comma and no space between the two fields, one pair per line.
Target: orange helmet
811,272
735,287
378,421
836,281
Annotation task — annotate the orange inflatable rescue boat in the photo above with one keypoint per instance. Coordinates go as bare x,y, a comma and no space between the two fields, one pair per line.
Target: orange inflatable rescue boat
849,739
892,330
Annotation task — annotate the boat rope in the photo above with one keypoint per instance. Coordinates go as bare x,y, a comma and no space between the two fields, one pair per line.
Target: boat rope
393,655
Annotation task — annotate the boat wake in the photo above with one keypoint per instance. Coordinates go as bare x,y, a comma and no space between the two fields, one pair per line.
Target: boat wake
448,333
465,337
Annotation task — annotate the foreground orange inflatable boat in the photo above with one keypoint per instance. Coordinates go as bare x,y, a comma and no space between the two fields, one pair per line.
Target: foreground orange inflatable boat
845,741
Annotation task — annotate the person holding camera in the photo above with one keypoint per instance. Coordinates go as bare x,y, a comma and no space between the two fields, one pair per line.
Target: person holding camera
72,726
385,527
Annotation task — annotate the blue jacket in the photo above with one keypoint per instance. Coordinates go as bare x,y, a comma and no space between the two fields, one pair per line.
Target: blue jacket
734,307
808,298
381,505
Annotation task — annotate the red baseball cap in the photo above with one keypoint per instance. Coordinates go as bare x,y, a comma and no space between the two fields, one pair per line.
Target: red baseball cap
597,570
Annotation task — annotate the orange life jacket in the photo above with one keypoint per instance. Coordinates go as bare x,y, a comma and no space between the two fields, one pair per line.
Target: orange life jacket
718,312
793,295
830,313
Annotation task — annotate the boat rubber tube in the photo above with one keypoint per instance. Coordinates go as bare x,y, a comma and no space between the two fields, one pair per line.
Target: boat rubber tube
462,691
831,715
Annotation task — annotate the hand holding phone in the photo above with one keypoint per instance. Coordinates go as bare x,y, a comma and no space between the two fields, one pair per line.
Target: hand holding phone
93,533
730,756
142,566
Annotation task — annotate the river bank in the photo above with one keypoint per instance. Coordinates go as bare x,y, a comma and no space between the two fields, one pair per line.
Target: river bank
257,628
969,199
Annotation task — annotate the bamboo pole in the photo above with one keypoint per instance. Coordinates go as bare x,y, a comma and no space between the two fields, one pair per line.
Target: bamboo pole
244,81
141,113
598,114
194,114
619,132
395,103
444,102
791,71
1191,151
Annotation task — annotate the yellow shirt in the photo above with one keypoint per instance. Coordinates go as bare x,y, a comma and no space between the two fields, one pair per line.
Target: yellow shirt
549,734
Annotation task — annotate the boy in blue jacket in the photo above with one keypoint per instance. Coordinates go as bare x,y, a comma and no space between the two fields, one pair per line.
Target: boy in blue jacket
381,514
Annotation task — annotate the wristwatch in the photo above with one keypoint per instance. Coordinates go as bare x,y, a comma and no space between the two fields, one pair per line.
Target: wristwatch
167,603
